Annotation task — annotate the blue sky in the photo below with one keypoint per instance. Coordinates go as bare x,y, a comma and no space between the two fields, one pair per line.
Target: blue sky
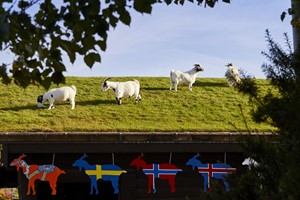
176,37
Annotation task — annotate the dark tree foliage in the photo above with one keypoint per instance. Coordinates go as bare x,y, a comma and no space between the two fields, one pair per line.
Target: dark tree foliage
38,32
279,168
278,174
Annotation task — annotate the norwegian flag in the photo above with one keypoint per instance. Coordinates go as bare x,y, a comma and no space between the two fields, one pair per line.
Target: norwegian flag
162,171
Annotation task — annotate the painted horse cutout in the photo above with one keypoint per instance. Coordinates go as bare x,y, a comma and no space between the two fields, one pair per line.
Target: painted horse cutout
108,172
48,173
208,170
162,171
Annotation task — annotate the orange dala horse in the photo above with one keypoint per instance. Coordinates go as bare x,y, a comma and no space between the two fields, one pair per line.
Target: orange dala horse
38,172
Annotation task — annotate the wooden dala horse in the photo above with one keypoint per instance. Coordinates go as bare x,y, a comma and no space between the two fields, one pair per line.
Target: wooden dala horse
107,172
208,170
48,173
162,171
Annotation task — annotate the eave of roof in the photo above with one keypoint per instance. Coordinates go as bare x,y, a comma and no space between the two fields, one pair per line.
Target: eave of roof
128,137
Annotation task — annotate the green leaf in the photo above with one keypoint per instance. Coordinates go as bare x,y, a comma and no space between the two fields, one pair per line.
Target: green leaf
102,45
5,79
143,6
46,83
291,11
4,28
33,63
95,4
91,58
168,2
200,2
58,66
22,77
69,48
36,75
23,4
210,3
58,77
282,16
101,27
55,54
46,72
86,11
88,43
125,16
42,52
113,21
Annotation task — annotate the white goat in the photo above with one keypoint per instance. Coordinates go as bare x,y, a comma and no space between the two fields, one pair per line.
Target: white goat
58,95
123,89
188,77
232,75
250,162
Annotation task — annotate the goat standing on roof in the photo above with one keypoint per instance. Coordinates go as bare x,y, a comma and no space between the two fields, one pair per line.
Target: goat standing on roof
232,75
123,89
58,95
188,77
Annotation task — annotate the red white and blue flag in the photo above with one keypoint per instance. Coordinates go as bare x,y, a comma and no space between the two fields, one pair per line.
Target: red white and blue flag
162,171
216,170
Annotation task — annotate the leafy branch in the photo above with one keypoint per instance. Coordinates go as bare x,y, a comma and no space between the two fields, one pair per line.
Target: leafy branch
75,27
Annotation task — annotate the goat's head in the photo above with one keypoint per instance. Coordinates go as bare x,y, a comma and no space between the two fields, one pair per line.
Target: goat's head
137,162
194,162
250,162
104,86
17,162
80,162
229,65
198,68
40,101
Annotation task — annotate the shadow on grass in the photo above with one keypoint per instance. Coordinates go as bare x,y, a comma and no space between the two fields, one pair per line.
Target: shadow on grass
196,84
82,103
155,88
18,108
211,84
95,102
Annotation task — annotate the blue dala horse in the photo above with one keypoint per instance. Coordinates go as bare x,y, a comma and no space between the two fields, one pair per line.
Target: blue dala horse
107,172
208,170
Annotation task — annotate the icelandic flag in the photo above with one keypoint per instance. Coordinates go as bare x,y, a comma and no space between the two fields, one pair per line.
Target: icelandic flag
216,170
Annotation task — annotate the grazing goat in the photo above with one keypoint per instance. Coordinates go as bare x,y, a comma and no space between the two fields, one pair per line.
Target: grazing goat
58,95
123,89
232,75
188,77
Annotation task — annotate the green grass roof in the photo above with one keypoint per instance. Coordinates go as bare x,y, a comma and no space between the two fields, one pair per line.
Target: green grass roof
211,106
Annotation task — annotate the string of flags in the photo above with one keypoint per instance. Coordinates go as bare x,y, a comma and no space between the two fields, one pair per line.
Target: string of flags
112,172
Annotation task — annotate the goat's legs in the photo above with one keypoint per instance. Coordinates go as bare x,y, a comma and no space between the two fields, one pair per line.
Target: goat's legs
138,98
72,102
119,100
190,86
171,84
175,86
